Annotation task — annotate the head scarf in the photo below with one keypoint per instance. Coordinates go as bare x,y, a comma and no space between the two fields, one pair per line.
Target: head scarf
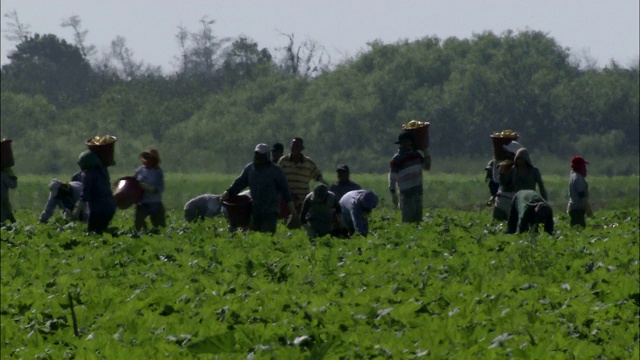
88,159
579,165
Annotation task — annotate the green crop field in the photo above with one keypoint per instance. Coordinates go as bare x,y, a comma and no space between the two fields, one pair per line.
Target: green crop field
453,191
453,287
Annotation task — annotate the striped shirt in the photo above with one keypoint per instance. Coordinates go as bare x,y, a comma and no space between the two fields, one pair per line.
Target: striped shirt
405,173
299,174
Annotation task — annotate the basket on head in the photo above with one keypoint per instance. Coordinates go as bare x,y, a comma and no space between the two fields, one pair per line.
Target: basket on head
419,131
501,139
104,147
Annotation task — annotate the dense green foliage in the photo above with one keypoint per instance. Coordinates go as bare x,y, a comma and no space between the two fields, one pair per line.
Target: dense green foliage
453,287
222,101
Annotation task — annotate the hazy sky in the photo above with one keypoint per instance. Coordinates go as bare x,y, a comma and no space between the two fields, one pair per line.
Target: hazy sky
600,30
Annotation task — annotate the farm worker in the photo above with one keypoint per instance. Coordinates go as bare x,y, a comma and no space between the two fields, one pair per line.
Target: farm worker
356,208
8,180
277,150
523,175
504,195
578,192
318,209
267,184
203,206
493,185
405,177
96,193
344,184
528,209
64,196
299,170
151,178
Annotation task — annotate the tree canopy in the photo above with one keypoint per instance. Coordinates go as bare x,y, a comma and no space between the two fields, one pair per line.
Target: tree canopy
230,94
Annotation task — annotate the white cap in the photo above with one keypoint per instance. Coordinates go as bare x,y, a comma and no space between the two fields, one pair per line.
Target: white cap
262,149
53,186
513,147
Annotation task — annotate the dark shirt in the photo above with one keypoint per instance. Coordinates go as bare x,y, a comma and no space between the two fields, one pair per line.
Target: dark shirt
340,189
96,190
523,215
265,183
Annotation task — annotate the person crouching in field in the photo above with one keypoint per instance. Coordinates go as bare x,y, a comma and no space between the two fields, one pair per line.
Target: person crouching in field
63,196
151,178
356,207
8,180
203,206
528,209
318,209
579,205
405,174
96,193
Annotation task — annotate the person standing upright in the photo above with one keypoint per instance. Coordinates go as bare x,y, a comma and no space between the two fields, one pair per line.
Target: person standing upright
96,193
405,177
504,194
523,175
299,170
151,178
268,185
277,150
579,205
344,183
8,180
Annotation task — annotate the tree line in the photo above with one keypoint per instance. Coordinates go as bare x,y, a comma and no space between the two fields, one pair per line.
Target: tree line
229,94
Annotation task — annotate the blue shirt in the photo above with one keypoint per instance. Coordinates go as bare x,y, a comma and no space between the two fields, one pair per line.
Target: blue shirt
153,177
66,204
354,205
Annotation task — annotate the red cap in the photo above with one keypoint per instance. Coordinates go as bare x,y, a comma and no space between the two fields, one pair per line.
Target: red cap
578,160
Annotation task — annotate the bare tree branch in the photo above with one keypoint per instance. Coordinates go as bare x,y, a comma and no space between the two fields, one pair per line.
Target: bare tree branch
17,31
79,35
